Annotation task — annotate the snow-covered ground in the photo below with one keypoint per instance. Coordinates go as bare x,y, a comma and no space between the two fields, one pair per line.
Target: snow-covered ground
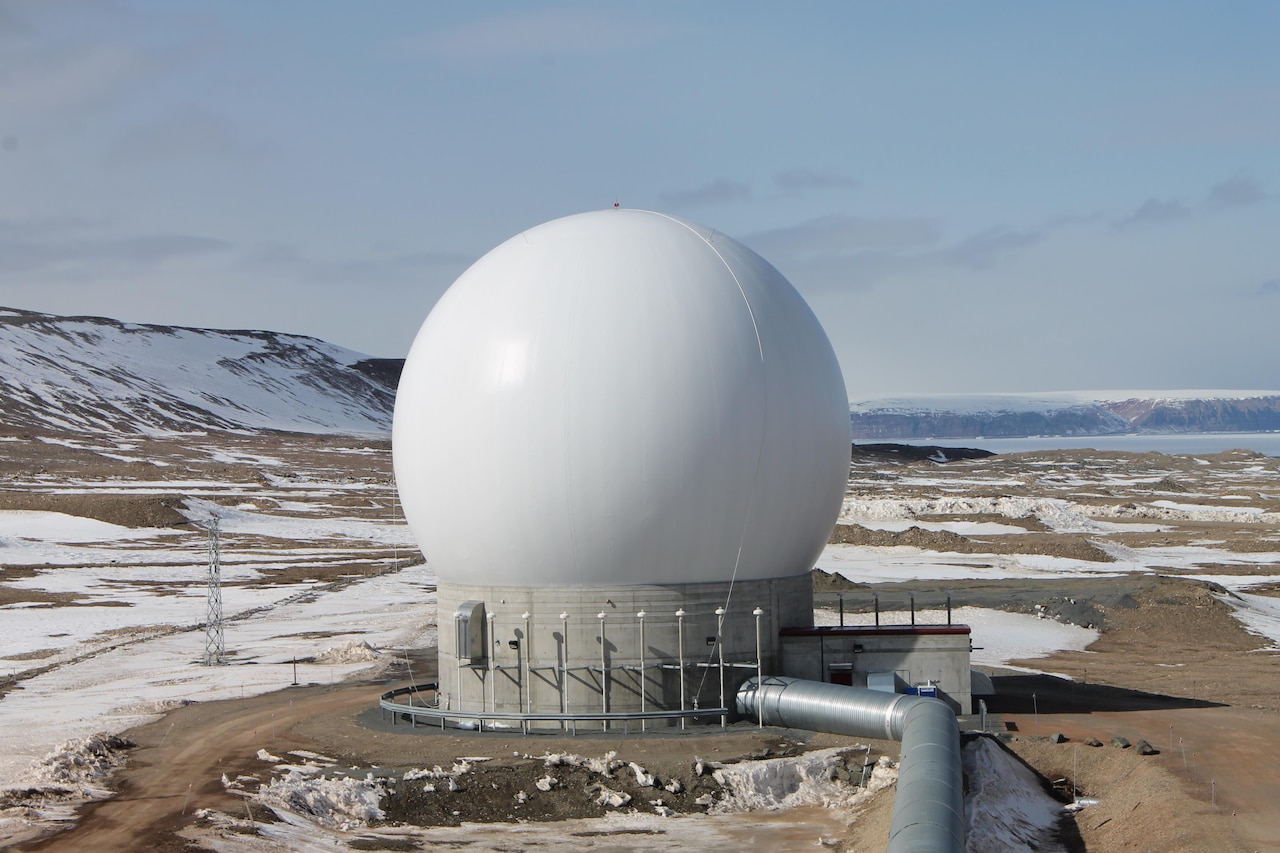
131,646
111,615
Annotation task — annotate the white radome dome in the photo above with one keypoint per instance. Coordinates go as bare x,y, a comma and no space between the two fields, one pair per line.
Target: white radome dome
620,397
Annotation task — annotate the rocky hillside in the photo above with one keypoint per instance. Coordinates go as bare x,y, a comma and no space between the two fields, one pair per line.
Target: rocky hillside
94,374
1066,413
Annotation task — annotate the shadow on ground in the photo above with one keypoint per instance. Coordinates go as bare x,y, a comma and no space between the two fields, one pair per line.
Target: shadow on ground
1047,694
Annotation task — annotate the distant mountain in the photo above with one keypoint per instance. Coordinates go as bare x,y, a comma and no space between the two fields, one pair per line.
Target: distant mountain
94,374
1073,413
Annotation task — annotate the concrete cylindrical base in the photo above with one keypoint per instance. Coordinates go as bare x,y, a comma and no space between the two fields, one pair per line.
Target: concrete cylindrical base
533,650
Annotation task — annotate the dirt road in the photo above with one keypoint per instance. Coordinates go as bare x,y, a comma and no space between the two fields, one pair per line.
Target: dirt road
178,765
180,760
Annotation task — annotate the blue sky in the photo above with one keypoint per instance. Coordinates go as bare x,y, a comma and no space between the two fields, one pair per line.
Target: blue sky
975,197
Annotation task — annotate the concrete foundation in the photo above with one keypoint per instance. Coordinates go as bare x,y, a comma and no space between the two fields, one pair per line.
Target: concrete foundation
549,650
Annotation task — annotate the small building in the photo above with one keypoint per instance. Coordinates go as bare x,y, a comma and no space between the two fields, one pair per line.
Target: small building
923,659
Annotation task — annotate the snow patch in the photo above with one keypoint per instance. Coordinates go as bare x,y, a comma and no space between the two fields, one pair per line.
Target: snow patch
1007,809
356,651
335,803
77,768
780,783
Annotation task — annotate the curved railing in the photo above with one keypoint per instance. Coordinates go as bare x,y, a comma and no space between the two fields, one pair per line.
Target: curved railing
503,720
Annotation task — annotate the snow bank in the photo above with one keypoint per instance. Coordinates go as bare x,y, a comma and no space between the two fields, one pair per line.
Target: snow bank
1058,515
77,769
1171,511
1006,809
334,803
356,651
1260,614
781,783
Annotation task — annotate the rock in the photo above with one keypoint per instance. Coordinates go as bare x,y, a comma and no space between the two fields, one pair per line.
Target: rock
1119,742
613,799
705,800
643,777
1092,741
1145,748
1057,737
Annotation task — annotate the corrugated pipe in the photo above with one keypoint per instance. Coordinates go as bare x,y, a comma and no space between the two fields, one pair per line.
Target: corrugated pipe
928,809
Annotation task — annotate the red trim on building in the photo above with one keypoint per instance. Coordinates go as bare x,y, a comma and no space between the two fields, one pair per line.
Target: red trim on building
874,631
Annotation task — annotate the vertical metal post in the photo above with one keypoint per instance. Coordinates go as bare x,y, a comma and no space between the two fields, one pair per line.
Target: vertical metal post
524,676
564,664
604,675
760,664
948,608
913,608
877,600
641,616
680,614
492,653
841,595
724,718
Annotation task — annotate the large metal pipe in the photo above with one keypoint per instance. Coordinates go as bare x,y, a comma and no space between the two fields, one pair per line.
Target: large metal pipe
928,809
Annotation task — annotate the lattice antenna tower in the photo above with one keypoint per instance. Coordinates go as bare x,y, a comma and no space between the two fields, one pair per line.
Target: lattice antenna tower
395,517
215,649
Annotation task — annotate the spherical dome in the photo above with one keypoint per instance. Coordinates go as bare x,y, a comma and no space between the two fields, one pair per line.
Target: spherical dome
620,397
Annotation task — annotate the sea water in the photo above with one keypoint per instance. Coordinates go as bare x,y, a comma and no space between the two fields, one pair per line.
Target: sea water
1261,442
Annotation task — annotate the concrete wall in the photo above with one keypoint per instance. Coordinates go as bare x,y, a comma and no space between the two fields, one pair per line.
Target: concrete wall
921,653
533,676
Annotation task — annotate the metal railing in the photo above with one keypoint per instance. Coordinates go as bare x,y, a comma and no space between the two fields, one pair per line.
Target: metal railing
498,720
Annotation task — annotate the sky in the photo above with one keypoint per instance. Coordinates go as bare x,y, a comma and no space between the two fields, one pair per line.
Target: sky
973,198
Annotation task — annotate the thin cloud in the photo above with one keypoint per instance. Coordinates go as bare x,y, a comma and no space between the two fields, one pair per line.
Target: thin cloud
535,34
72,246
287,259
983,250
803,180
1270,288
187,134
845,253
1237,192
845,235
1227,195
55,61
722,191
1156,212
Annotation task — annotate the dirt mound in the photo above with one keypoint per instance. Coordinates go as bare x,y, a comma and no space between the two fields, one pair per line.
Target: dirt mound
1139,798
1053,545
125,510
908,453
532,790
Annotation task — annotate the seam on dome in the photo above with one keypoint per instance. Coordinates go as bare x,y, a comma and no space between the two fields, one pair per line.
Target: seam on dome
755,475
745,301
